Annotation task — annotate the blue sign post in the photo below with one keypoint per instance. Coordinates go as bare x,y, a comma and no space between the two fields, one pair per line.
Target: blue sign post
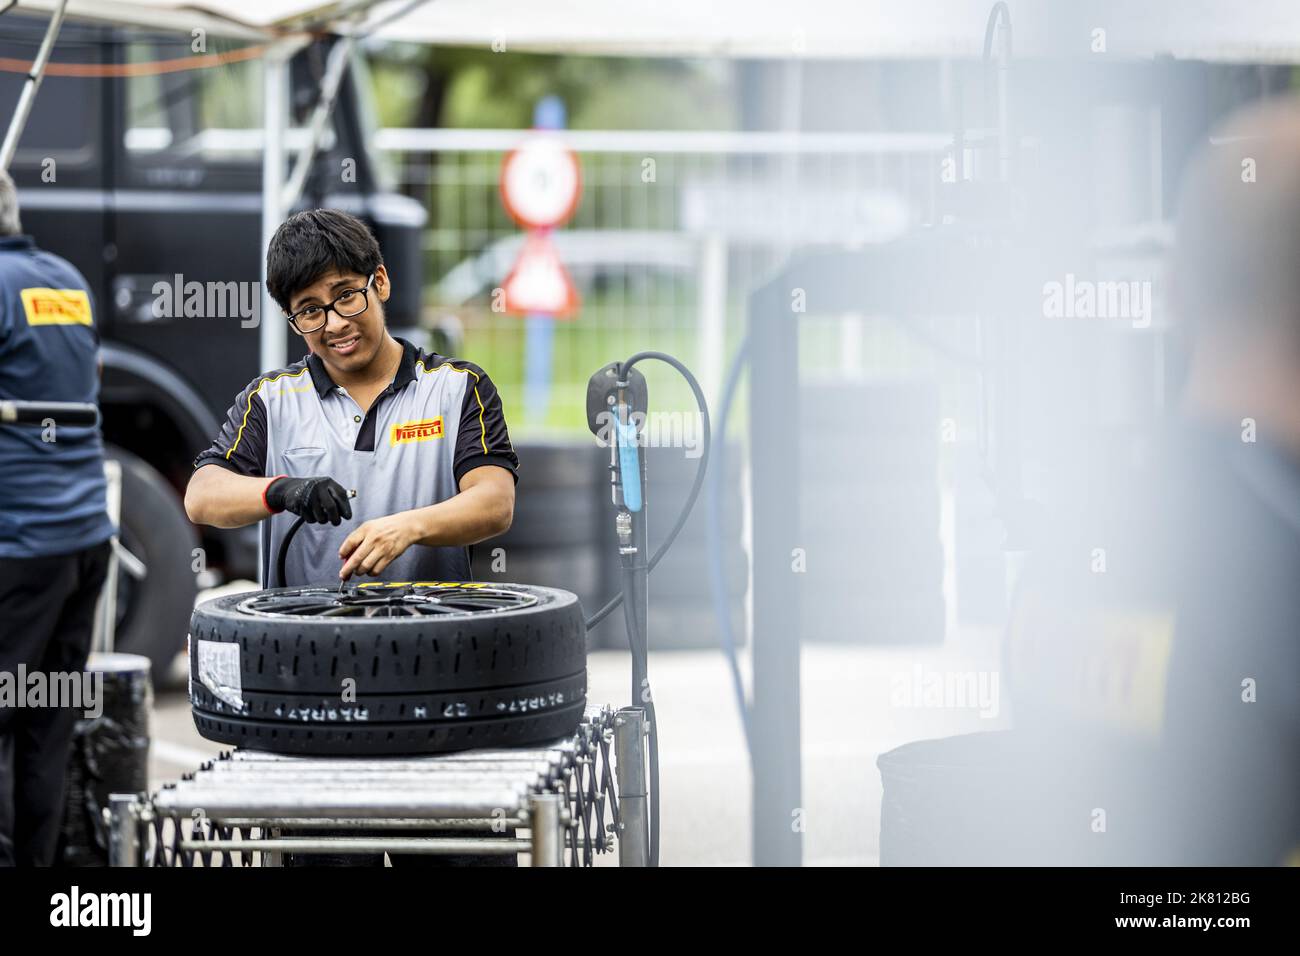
539,335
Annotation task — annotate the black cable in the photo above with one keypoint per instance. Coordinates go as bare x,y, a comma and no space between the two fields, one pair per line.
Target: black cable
284,549
614,602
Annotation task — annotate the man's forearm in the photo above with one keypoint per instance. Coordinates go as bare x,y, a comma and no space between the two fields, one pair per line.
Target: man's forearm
223,499
473,515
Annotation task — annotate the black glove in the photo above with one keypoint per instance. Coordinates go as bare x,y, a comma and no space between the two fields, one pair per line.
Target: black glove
317,500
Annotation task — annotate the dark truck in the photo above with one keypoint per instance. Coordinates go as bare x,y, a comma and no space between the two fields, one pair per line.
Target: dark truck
155,177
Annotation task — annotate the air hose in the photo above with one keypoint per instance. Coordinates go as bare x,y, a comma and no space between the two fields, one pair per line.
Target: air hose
634,597
283,553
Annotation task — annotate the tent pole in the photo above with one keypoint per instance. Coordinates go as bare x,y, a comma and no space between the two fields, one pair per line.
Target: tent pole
275,98
28,95
335,67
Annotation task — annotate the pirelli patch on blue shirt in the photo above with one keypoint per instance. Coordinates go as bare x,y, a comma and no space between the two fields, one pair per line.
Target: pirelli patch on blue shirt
56,306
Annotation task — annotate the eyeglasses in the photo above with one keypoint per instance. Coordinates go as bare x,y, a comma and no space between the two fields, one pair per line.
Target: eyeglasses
346,304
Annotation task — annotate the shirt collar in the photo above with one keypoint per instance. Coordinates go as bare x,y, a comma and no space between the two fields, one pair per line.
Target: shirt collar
405,371
17,242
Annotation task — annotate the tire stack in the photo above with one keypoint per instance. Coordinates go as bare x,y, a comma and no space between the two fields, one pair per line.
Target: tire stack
681,604
387,685
559,509
110,754
870,515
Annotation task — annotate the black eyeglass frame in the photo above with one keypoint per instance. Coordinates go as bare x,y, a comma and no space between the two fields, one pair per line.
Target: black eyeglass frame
328,307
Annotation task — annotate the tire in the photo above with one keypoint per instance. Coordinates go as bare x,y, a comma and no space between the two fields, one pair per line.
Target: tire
562,465
385,739
511,676
397,708
153,612
554,518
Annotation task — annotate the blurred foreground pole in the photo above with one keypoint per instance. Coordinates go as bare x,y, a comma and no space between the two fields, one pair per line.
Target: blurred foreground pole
774,449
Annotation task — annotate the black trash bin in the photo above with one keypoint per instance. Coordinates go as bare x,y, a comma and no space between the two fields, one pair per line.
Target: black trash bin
1015,798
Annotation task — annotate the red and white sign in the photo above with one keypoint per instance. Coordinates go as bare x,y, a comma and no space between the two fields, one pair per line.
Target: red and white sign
541,182
539,283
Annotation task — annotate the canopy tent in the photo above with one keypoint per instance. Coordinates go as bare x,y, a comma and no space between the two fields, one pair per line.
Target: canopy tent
1263,31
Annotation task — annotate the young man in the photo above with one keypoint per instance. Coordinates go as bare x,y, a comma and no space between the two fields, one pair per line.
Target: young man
419,439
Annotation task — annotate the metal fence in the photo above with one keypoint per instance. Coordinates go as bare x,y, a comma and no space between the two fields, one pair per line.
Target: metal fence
673,231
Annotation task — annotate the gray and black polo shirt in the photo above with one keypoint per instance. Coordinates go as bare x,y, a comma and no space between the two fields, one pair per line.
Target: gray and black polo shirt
438,419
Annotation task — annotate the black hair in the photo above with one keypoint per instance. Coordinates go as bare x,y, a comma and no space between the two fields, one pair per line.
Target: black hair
311,243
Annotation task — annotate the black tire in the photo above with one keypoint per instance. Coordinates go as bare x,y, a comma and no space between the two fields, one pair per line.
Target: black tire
554,518
153,612
563,465
467,668
397,708
407,738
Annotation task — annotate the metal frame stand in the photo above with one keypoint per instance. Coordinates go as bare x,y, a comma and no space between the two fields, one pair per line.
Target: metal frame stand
630,730
242,803
547,815
124,814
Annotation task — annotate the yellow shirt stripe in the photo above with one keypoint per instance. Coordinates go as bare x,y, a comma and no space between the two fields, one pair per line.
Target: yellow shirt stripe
481,424
260,385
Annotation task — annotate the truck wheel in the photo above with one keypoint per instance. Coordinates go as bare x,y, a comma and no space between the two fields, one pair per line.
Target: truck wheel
389,667
152,613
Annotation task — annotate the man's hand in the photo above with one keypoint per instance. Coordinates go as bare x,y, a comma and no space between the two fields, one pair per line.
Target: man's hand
482,510
317,500
376,544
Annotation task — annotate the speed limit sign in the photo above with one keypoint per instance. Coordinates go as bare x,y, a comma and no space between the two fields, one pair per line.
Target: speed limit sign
541,182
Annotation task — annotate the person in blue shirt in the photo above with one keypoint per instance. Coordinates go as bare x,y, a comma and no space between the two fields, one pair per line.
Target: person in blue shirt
54,527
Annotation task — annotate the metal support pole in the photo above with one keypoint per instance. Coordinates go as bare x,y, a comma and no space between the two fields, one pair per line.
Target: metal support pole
273,858
123,829
712,309
428,846
273,337
775,457
28,96
546,821
335,67
105,627
630,769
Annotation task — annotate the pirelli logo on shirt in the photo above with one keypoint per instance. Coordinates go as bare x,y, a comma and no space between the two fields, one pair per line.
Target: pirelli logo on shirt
417,431
56,306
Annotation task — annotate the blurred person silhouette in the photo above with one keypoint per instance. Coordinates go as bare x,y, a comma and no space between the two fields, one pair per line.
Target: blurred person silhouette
1154,649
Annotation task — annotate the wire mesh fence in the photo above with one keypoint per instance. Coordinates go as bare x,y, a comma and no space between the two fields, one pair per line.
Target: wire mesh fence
673,231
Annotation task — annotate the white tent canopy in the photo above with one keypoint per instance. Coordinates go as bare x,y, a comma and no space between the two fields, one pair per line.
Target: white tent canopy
1258,31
